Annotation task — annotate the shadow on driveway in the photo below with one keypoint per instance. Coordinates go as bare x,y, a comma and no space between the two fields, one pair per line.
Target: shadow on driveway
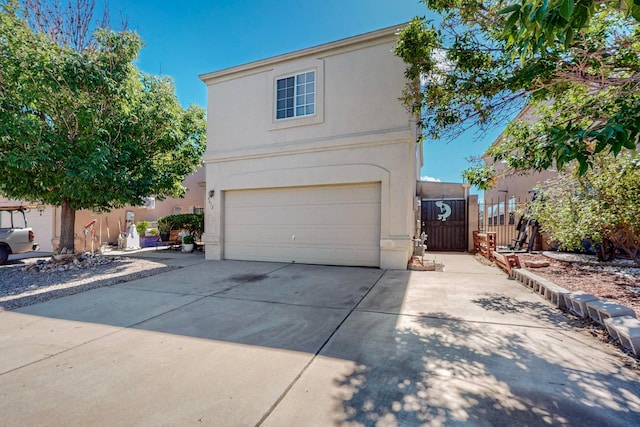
238,343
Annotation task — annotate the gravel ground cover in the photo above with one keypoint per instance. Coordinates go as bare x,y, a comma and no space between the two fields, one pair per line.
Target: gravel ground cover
617,281
25,282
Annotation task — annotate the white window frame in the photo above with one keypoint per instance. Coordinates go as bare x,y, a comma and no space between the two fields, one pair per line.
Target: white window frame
289,70
300,93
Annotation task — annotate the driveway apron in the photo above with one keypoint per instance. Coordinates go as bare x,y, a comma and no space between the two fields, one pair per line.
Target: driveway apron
230,343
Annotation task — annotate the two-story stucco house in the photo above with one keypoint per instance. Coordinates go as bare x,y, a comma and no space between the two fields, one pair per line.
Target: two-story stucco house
312,158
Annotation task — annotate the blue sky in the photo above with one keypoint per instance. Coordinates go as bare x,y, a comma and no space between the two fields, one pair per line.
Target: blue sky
187,38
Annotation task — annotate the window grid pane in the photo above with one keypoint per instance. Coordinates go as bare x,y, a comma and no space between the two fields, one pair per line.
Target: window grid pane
284,97
295,95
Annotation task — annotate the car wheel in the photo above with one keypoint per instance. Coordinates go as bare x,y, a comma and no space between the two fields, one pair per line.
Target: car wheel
4,254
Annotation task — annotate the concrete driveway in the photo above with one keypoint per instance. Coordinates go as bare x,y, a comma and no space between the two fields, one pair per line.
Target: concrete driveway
243,344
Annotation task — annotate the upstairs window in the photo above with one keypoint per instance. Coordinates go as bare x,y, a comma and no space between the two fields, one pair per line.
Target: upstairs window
296,95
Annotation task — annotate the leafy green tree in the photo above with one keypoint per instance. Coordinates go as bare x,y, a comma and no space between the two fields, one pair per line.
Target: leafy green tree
576,63
534,25
85,129
601,204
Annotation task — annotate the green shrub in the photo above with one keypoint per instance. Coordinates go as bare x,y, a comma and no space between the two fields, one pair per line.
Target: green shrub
601,205
142,227
193,223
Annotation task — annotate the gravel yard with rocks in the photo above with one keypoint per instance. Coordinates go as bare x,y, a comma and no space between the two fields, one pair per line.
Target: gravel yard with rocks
33,280
617,281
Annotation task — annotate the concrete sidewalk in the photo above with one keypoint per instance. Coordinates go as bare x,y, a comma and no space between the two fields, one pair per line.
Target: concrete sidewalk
230,343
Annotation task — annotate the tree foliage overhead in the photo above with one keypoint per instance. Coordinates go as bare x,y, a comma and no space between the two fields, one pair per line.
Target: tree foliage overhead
534,25
84,128
576,63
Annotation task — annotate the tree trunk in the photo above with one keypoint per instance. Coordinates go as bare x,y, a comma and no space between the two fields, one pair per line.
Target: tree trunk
67,226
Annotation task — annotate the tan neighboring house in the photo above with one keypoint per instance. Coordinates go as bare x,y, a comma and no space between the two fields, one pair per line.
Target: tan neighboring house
46,221
312,158
503,204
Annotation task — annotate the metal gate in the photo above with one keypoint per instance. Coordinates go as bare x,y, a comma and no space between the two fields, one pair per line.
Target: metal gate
445,222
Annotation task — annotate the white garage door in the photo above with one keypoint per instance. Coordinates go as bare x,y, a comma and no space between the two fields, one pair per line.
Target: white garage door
42,224
332,225
40,221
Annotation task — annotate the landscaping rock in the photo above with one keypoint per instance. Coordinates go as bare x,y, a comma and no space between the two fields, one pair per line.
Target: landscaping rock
537,264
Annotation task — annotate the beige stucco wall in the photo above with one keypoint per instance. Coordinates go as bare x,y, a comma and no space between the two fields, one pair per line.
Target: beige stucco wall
360,133
473,220
445,190
517,186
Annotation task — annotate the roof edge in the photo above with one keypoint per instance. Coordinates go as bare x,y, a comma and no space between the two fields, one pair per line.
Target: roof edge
361,38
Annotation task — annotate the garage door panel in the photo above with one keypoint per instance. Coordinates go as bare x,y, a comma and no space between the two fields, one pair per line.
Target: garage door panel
327,255
303,196
319,225
341,235
306,215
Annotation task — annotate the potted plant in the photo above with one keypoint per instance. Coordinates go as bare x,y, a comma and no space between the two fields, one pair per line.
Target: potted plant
165,225
147,238
141,227
150,238
187,243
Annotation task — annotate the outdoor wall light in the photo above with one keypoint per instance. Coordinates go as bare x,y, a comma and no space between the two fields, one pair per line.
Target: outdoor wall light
211,193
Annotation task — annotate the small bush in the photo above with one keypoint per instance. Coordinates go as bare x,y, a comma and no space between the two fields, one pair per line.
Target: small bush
142,227
193,223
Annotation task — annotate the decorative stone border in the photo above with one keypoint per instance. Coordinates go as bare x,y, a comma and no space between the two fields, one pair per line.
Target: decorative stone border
619,321
625,329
